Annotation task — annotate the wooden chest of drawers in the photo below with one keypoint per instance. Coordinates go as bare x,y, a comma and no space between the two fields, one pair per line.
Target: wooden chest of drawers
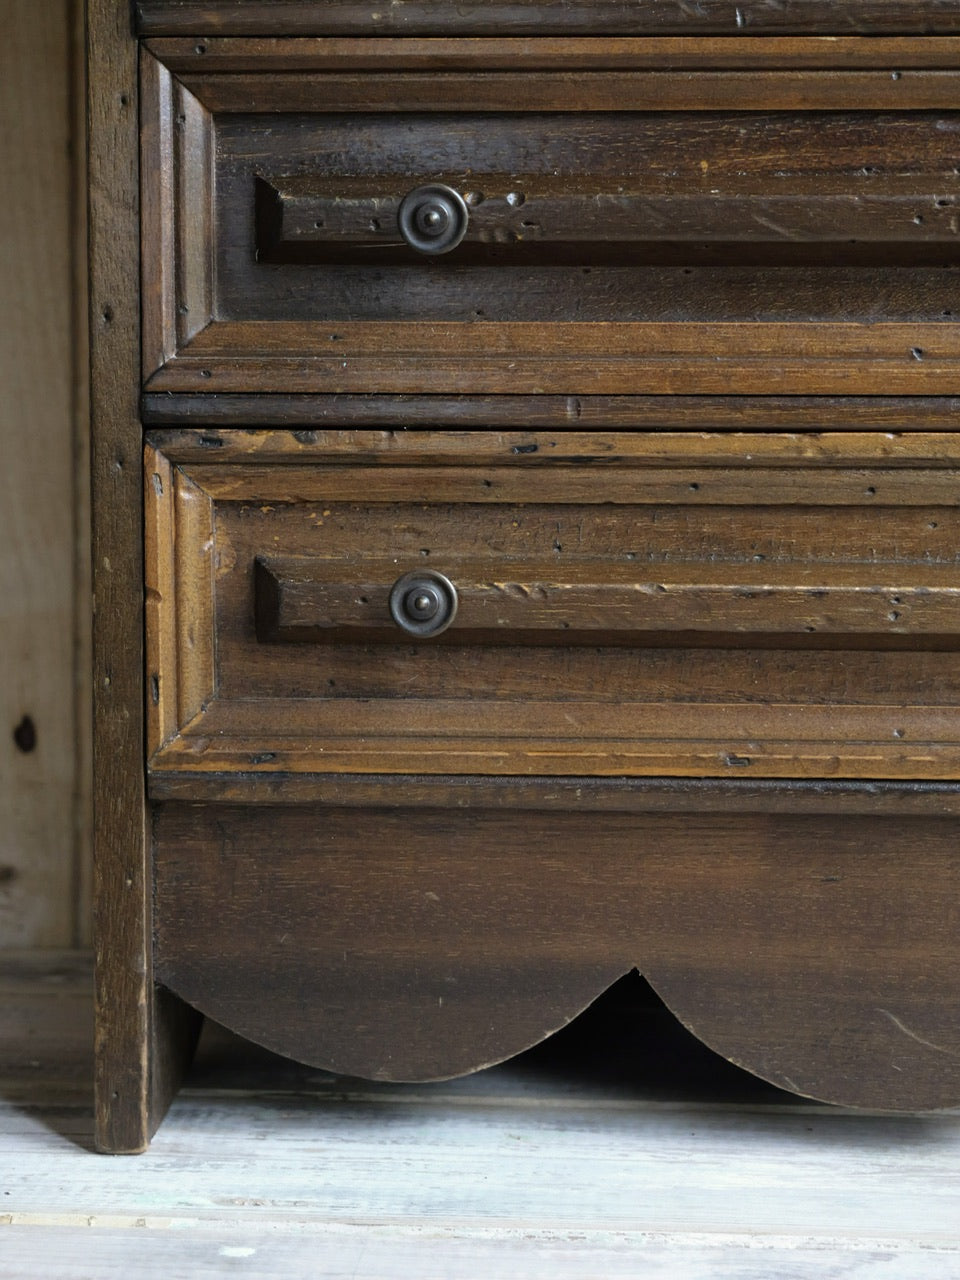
527,488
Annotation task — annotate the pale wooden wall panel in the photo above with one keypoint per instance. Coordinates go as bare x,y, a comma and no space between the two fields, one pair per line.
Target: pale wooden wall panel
41,537
83,656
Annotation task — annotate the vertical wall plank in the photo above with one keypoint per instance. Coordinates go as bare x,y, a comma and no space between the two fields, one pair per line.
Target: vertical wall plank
40,783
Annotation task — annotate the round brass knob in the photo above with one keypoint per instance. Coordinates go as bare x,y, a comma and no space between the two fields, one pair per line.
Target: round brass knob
433,219
423,603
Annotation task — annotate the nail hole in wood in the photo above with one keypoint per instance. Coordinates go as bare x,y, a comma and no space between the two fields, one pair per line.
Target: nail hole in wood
25,735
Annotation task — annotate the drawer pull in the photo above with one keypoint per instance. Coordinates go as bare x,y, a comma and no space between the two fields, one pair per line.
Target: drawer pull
306,218
423,603
433,219
300,600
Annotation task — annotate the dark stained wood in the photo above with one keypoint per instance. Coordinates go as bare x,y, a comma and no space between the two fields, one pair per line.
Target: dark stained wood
541,17
571,358
304,600
307,416
543,53
689,455
425,464
838,800
142,1038
686,231
400,945
734,91
311,218
158,217
176,142
705,610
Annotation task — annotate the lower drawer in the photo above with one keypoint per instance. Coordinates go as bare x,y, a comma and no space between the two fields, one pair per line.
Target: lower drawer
522,603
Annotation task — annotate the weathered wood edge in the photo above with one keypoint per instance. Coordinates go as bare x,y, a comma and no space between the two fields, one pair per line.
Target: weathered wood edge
141,1040
606,17
733,89
601,795
553,412
303,53
254,449
573,357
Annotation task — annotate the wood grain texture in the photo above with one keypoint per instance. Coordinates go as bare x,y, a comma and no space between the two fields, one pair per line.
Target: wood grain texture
431,92
42,621
313,218
539,17
175,142
834,442
141,1038
595,262
778,606
550,794
597,358
810,952
829,557
160,586
546,53
305,600
306,415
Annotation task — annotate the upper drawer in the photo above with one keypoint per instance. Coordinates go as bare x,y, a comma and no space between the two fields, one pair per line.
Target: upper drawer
569,216
545,17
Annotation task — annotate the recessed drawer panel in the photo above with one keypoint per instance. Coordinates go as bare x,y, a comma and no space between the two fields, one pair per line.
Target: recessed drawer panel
479,216
527,604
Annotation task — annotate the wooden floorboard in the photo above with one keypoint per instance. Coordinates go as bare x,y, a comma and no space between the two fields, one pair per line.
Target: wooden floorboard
619,1149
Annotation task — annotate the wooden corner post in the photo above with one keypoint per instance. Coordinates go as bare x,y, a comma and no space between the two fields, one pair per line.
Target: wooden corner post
143,1035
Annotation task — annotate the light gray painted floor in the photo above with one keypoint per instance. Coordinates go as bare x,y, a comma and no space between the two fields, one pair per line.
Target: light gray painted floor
619,1149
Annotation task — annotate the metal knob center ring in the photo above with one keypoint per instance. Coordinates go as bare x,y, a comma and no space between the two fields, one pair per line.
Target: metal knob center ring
423,603
433,219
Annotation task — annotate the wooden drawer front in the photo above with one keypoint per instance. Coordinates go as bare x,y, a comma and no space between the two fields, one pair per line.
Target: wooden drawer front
642,217
643,605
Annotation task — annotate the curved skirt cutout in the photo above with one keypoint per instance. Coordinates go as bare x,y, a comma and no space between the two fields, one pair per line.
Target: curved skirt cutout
819,953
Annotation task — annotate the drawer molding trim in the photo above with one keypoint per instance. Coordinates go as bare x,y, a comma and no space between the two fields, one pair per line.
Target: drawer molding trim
836,18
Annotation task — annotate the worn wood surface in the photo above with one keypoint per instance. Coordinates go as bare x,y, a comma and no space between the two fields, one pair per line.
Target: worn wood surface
573,357
539,17
544,53
778,605
311,927
140,1037
43,619
619,1147
305,415
606,795
761,262
572,89
316,219
305,600
837,437
415,946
